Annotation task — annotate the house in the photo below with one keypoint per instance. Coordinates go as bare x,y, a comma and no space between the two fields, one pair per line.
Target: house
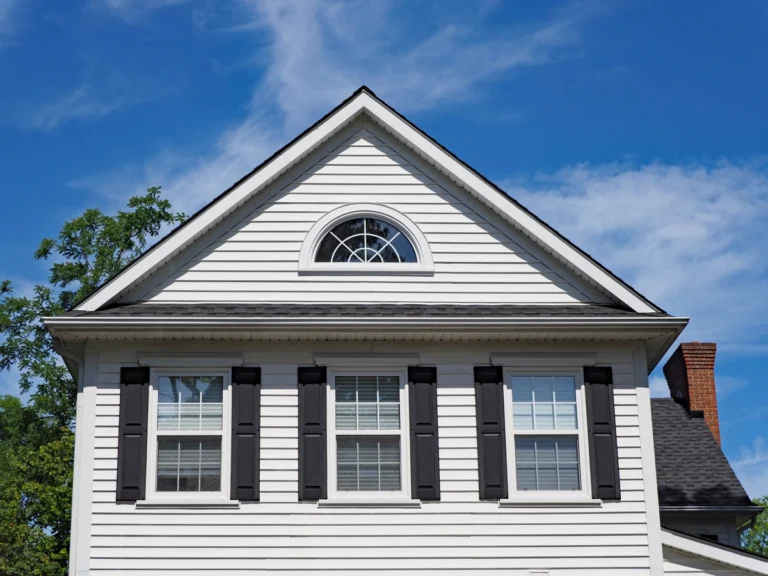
364,358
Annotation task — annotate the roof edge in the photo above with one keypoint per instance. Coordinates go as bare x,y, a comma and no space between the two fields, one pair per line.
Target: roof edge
714,551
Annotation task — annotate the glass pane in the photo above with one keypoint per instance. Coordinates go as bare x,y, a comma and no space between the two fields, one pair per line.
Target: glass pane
188,464
545,416
367,402
190,402
522,389
366,464
565,389
326,249
522,416
565,416
547,463
543,389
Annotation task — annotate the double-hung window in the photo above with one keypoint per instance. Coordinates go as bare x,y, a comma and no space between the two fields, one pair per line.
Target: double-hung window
188,435
368,440
546,431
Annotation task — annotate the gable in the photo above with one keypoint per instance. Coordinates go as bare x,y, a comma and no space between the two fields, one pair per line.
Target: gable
255,255
364,104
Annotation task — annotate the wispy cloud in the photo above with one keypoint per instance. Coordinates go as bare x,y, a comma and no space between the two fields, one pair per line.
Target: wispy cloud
317,53
95,97
8,18
691,238
752,468
131,10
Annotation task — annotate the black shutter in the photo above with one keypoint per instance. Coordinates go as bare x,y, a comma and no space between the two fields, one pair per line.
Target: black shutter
425,469
491,444
246,402
132,438
603,450
312,433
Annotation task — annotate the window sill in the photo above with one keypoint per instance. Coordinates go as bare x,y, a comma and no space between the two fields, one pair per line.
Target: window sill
190,503
369,503
550,502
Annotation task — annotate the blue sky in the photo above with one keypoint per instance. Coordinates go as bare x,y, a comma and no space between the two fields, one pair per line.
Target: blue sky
650,115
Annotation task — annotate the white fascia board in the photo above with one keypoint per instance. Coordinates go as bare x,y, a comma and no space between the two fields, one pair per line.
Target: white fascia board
172,244
525,221
518,217
564,360
177,360
367,360
714,552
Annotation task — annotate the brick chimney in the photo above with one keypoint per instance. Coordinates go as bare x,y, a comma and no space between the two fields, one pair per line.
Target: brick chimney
690,373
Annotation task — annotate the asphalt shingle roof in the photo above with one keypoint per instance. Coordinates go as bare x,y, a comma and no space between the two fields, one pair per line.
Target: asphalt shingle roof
358,310
691,468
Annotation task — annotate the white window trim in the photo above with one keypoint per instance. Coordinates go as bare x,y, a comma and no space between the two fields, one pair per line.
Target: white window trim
307,264
186,498
336,497
584,495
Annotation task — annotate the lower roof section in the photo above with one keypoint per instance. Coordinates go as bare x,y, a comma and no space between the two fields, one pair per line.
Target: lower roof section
685,554
149,310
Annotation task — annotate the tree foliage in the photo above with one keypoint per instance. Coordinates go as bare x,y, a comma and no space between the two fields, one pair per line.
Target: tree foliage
36,437
756,538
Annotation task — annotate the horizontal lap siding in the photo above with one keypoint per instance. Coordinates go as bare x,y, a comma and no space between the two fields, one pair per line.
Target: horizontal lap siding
458,535
256,259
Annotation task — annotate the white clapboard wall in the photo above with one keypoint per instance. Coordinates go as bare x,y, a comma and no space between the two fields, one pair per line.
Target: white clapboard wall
478,257
458,535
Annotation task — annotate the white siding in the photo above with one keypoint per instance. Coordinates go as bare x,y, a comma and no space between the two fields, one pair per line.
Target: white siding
458,536
254,257
676,562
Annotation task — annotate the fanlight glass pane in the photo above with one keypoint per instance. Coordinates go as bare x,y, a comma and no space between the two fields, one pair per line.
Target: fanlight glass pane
547,463
190,403
364,241
188,464
367,403
368,464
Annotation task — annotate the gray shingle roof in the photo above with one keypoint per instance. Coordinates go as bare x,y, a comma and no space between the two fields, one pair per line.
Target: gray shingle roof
359,310
691,468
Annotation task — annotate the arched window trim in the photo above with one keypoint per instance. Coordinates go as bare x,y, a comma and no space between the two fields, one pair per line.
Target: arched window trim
335,217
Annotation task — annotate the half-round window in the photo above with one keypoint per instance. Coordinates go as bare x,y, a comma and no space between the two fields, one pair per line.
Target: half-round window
366,240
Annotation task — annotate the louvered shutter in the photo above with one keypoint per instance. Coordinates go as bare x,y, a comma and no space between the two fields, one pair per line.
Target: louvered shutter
601,418
425,469
491,444
313,476
246,428
132,435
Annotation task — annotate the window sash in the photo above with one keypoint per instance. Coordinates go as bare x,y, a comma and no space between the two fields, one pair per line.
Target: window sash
403,433
580,432
153,435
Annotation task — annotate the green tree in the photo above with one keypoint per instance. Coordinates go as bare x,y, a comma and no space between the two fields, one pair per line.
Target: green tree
756,538
36,437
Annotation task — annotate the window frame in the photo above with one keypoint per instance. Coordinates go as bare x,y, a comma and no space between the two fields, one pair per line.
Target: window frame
404,433
307,265
226,436
581,434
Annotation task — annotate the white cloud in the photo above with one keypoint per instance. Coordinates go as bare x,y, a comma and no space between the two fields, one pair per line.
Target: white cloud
131,10
8,18
317,54
752,468
691,238
97,95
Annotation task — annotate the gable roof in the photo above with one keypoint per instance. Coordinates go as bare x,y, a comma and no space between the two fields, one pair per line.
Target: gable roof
691,469
364,101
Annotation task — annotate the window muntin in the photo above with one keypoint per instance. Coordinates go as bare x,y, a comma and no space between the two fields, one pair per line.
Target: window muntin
365,241
368,437
546,429
188,441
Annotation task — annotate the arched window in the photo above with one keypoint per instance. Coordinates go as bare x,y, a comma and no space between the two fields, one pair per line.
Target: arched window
366,240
